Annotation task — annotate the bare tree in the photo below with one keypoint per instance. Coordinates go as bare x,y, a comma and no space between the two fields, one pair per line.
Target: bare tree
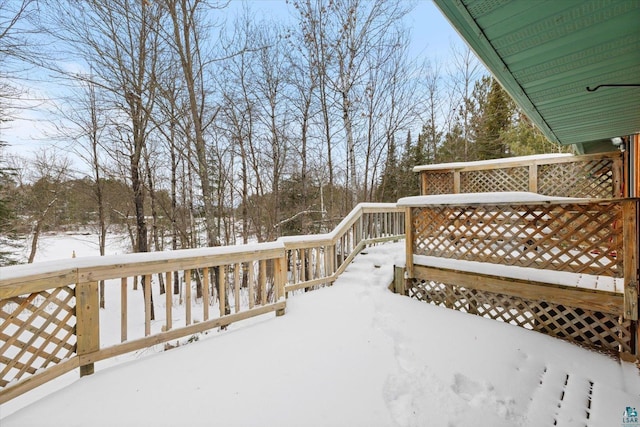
313,21
240,122
169,124
274,114
360,28
187,39
433,103
42,192
84,121
118,41
303,82
392,102
15,50
466,69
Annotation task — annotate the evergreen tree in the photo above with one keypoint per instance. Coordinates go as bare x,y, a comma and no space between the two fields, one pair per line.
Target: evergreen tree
7,210
6,213
432,140
452,148
498,113
522,138
498,129
398,179
388,188
414,155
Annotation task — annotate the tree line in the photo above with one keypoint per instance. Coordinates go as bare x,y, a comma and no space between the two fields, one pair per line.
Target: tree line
198,127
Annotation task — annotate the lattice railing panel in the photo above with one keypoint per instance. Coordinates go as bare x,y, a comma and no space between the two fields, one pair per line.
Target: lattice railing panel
508,179
589,177
578,238
592,328
439,183
592,179
36,331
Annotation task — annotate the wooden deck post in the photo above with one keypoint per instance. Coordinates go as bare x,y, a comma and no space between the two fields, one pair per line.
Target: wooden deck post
262,279
630,257
329,260
533,178
250,284
408,231
618,177
630,237
87,322
280,276
236,287
187,296
222,289
205,293
423,183
399,285
123,309
146,290
168,301
456,182
294,265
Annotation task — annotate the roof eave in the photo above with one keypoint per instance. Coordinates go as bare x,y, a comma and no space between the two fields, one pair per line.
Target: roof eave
466,26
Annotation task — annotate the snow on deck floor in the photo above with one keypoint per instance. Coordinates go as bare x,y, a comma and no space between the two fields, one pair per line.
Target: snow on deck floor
354,355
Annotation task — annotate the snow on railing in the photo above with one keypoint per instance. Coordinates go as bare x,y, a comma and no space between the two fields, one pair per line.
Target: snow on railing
592,176
50,321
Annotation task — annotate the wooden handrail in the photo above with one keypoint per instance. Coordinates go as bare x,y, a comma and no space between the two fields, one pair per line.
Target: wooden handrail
42,275
62,292
330,253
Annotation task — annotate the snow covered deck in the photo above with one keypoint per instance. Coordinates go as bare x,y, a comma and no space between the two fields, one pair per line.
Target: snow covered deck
353,354
355,351
51,320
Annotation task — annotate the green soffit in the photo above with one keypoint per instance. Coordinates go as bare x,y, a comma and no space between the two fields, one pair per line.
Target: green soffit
546,54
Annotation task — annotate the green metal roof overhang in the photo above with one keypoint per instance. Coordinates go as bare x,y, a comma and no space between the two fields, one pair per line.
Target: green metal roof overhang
546,53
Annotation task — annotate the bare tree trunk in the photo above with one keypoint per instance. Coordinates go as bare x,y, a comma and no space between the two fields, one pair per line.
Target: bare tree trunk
154,215
34,242
466,72
95,127
313,20
186,39
174,208
49,176
351,154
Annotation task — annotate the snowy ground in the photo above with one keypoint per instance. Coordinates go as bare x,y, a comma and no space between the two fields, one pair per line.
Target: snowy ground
351,355
53,246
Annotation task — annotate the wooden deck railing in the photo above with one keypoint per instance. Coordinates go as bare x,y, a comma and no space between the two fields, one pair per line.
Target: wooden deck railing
50,321
592,176
568,267
319,259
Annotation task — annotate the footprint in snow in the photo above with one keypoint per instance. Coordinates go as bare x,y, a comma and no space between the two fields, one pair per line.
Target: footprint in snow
477,394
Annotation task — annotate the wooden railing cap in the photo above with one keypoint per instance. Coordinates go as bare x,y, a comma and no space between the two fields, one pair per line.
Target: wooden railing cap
498,198
493,162
14,273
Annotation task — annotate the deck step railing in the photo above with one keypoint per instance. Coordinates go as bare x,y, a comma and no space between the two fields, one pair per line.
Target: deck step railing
316,260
